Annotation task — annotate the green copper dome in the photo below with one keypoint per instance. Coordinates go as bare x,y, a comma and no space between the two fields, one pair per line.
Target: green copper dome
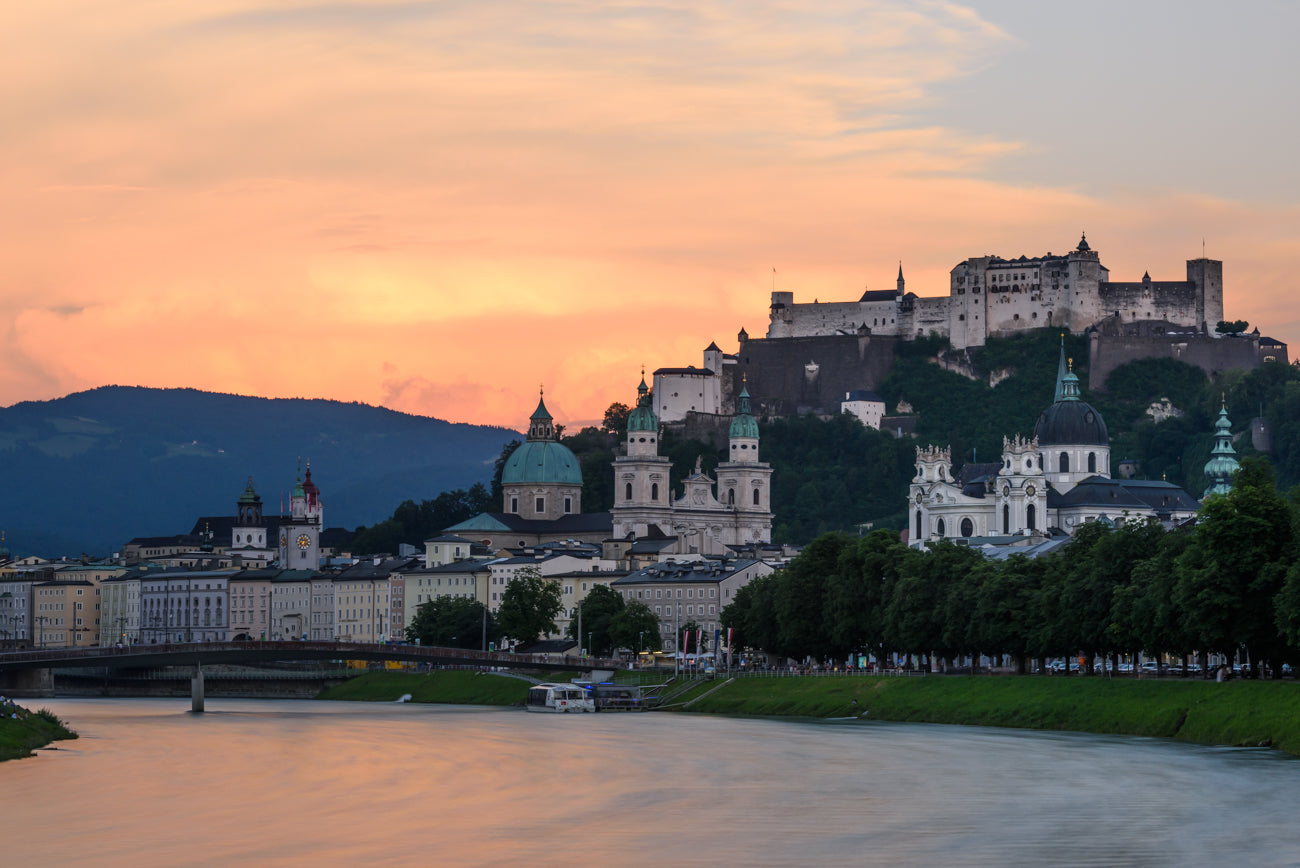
542,461
249,495
744,425
1223,458
642,418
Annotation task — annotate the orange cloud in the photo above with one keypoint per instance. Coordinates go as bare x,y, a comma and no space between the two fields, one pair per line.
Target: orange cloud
438,207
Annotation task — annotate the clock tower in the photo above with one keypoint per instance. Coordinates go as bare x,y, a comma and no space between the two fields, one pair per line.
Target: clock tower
300,531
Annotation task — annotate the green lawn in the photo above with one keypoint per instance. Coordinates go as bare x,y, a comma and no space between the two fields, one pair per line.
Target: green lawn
460,687
18,738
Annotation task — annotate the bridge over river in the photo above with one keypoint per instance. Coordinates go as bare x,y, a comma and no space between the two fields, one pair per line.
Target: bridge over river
14,664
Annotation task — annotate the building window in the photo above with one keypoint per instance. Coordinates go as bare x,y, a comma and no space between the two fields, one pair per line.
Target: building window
1065,463
627,492
967,528
514,504
755,497
540,505
1029,516
918,524
1006,518
654,491
568,504
1092,462
941,527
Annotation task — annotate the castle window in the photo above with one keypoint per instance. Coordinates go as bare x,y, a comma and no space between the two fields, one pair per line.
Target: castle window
940,527
961,317
1092,462
1017,316
1065,463
967,527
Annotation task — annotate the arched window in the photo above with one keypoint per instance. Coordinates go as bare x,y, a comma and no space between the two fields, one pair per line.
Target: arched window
654,491
1006,518
1092,462
967,528
627,492
918,524
1029,517
755,497
941,527
731,497
1065,463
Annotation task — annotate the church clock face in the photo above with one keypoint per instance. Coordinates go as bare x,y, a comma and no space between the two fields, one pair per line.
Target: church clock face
303,541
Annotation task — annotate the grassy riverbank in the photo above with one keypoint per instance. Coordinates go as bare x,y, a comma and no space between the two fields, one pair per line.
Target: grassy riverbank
19,737
460,687
1237,713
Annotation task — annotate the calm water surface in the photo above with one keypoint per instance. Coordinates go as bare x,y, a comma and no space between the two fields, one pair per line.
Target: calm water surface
312,783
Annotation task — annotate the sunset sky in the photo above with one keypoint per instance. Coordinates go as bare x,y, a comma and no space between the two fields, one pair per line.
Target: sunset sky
438,206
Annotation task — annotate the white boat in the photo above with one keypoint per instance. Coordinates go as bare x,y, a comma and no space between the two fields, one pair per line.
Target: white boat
558,698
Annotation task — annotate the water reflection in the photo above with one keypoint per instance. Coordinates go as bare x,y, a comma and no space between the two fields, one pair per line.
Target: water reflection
255,782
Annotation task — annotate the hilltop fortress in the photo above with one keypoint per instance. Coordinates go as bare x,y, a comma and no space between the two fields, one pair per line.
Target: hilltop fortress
992,296
815,354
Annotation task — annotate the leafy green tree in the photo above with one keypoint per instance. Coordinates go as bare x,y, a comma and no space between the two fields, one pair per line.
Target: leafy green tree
1236,565
691,629
499,466
1007,607
636,627
858,590
413,522
1234,327
529,606
451,622
801,599
1147,609
752,614
600,610
615,421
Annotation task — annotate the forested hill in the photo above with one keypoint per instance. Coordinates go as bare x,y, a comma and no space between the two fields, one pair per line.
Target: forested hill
91,470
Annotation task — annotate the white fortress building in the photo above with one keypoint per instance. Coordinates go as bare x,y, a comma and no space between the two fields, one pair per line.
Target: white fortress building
991,296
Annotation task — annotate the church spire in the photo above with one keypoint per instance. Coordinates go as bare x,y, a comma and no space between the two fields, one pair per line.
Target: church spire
1061,371
1223,458
541,424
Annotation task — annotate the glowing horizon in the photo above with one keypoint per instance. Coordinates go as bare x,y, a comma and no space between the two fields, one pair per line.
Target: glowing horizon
437,207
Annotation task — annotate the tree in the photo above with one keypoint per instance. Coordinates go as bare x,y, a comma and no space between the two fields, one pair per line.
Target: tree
529,606
636,627
499,466
600,608
752,614
451,622
1235,327
693,630
615,421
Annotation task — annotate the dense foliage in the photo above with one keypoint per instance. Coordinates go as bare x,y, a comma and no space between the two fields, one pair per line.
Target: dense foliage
609,624
414,523
1230,584
453,622
529,606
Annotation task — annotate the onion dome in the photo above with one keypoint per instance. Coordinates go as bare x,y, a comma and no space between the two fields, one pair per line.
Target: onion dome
249,496
1070,420
744,424
542,458
1223,458
1083,244
642,417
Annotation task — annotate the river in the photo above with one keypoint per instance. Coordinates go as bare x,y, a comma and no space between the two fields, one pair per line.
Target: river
255,782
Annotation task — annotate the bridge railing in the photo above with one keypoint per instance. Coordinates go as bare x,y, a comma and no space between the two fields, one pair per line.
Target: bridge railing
317,650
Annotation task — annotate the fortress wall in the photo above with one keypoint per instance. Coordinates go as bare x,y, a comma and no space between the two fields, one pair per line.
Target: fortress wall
779,382
802,320
1010,312
1175,302
1211,355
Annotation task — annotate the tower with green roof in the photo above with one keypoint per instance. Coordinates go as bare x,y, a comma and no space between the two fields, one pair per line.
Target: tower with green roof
542,479
1223,458
300,530
642,490
744,482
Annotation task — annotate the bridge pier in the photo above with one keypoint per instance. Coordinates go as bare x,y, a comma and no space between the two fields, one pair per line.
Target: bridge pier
196,689
28,683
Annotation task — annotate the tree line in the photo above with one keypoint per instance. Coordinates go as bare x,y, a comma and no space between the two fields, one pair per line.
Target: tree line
1228,583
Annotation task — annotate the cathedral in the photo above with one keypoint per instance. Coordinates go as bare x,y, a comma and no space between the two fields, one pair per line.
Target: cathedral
541,487
1050,483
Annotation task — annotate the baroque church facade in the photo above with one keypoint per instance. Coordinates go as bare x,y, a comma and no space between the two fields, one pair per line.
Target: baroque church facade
541,486
1050,483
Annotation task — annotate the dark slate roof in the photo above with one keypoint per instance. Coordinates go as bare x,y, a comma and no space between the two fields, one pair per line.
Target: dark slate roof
674,573
180,539
1116,495
223,526
973,477
701,372
864,395
1071,422
591,522
474,566
448,538
879,295
370,570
